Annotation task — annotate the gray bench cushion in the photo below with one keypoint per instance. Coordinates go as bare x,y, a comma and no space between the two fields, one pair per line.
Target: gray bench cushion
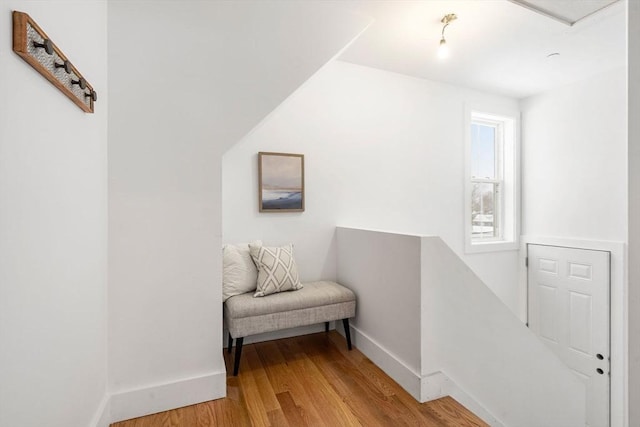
316,302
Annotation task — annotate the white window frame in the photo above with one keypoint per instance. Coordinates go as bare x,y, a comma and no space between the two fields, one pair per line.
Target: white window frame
498,181
507,200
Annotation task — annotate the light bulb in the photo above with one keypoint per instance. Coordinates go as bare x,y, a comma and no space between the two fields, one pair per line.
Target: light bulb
443,50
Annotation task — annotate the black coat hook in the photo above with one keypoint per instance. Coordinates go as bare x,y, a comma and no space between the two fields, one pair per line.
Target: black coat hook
47,45
66,65
93,95
82,82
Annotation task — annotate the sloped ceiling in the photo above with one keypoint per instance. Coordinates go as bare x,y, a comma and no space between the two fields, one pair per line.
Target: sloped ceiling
272,49
496,45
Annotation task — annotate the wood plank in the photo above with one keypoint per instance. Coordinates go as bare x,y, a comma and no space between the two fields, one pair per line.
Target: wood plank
231,411
362,404
205,414
277,418
453,413
311,380
283,380
189,416
291,411
252,398
267,395
387,384
382,381
274,365
319,389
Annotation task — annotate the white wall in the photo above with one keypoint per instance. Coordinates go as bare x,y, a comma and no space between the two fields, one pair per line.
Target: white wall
574,145
53,226
574,160
384,271
633,79
382,150
187,80
428,321
487,352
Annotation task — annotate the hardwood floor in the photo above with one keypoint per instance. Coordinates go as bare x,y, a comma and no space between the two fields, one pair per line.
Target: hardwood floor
310,380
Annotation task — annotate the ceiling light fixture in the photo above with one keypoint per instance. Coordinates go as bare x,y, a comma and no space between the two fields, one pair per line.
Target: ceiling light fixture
443,50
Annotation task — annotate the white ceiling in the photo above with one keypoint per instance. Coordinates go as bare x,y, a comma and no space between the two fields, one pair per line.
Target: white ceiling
496,45
567,11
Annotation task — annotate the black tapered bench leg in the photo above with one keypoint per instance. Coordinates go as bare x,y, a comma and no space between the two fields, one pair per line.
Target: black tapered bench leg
236,362
326,326
347,332
230,344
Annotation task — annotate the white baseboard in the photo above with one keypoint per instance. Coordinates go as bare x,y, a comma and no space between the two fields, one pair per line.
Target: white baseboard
385,360
102,417
163,397
423,389
434,386
465,400
439,384
470,403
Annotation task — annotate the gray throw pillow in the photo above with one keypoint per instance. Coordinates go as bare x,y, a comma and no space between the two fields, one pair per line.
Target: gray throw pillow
277,270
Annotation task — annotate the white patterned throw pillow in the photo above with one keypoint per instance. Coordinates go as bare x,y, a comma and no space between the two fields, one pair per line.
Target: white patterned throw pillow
277,271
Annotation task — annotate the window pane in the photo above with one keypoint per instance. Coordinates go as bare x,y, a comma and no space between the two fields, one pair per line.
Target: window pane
483,151
483,215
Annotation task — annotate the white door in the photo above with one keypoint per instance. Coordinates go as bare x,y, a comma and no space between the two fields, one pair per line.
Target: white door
569,309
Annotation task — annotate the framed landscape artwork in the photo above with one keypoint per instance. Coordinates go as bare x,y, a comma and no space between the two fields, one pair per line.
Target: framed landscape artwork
281,182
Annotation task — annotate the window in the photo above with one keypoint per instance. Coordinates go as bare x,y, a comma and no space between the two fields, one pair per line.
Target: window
491,207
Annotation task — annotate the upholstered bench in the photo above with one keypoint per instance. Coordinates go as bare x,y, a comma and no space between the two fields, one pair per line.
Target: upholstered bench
316,302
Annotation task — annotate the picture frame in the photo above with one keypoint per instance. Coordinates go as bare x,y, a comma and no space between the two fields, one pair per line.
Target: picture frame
280,182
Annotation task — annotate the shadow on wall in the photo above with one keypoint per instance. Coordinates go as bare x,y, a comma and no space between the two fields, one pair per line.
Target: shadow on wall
427,320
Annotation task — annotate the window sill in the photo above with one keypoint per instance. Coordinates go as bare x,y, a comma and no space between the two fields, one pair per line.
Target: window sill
497,246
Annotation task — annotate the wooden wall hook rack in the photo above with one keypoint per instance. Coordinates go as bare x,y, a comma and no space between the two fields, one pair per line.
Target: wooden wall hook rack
36,48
